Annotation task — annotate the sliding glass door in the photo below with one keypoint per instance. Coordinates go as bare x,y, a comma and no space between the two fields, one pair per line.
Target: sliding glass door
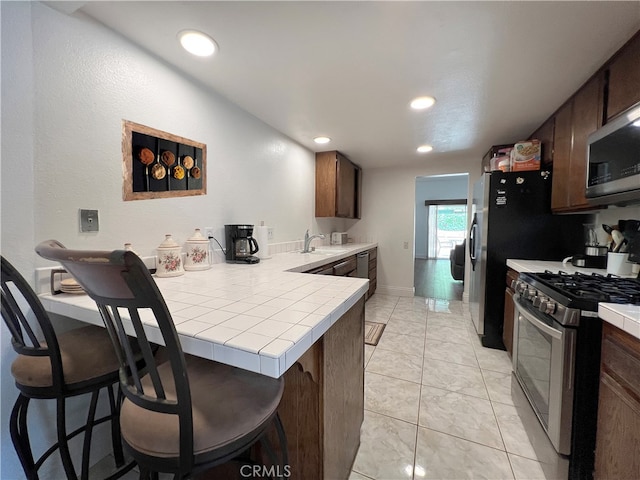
447,227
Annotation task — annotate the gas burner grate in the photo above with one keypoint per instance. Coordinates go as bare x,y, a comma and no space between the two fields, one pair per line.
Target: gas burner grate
589,290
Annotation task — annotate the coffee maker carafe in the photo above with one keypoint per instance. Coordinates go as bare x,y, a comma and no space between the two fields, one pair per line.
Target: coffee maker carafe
240,244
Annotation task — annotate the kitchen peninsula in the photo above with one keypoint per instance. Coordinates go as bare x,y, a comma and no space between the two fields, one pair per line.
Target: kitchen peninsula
272,319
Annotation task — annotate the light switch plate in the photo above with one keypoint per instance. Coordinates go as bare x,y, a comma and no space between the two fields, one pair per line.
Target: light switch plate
89,221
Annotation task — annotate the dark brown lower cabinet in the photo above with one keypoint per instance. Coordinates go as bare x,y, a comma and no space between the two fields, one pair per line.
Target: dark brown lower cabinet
618,434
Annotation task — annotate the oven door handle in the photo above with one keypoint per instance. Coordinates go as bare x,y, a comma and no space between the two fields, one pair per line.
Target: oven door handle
532,319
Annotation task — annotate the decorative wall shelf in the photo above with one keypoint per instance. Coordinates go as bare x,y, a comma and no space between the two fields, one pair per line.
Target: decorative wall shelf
157,164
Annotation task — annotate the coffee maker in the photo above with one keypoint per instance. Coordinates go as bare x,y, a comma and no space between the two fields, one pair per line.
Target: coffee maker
595,255
240,244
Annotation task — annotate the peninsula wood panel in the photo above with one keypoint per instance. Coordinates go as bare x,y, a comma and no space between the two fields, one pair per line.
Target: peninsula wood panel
322,408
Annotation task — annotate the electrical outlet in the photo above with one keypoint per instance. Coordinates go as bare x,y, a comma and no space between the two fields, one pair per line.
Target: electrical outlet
89,221
406,245
270,233
208,232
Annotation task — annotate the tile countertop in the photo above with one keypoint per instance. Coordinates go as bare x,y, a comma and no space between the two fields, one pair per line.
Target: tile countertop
260,317
625,317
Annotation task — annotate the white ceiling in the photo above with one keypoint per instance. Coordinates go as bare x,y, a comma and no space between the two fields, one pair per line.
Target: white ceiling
349,69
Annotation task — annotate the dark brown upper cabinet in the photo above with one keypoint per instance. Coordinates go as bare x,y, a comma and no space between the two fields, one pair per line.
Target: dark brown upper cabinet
614,88
338,186
574,122
624,78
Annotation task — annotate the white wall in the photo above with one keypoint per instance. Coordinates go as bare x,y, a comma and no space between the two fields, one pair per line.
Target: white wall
388,215
67,84
434,188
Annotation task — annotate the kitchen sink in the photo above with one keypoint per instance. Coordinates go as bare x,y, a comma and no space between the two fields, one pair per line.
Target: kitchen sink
326,251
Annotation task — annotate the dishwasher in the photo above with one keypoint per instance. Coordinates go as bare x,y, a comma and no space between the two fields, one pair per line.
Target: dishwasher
362,265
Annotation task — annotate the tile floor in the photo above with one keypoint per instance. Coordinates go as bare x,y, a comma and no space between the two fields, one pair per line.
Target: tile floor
438,405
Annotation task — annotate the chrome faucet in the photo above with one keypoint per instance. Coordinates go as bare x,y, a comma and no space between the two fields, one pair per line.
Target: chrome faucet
307,240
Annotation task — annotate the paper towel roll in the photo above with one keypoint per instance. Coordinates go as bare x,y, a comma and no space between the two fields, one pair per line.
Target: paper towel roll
261,234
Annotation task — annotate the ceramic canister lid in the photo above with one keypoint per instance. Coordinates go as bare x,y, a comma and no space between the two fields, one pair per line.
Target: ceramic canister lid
197,237
168,242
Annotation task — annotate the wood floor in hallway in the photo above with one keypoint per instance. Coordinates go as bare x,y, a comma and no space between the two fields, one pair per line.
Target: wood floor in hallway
432,279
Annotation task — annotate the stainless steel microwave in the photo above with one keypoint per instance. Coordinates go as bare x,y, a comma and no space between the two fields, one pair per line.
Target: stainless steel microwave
613,161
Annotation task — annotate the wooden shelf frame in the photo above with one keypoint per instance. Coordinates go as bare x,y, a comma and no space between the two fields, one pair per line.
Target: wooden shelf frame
128,130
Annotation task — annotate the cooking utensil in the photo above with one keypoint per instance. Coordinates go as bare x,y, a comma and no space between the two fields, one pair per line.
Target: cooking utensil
618,238
607,228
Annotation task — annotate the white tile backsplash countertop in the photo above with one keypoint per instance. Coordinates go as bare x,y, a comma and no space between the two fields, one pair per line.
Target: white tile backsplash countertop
259,317
625,317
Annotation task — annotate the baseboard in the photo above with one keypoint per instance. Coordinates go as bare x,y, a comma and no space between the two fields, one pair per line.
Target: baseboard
465,297
421,257
396,291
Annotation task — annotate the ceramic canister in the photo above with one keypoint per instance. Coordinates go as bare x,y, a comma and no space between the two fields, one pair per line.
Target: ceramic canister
197,248
169,258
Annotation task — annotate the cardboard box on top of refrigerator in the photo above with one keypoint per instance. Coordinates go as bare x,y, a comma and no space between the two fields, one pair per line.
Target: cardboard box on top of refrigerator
526,155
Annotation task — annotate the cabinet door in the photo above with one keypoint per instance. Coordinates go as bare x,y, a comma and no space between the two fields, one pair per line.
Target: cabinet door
586,118
326,166
617,440
346,188
624,78
618,428
561,157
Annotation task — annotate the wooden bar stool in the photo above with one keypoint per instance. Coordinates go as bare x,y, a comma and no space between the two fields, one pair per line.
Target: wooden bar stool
52,366
187,414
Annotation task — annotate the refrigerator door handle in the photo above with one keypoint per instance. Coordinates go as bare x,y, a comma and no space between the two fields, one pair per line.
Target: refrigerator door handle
472,241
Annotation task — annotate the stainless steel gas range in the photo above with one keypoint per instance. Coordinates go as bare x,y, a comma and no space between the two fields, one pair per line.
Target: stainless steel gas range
556,354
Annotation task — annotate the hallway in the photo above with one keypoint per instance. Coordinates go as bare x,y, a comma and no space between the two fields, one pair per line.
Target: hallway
432,279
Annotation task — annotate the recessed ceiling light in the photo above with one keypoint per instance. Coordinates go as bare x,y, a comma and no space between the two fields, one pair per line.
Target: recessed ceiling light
424,148
197,43
322,139
421,103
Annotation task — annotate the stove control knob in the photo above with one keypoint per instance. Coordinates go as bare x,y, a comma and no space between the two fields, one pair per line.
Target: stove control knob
521,287
531,293
548,307
538,300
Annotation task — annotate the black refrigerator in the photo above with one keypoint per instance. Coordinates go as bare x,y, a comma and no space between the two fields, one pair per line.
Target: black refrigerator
511,218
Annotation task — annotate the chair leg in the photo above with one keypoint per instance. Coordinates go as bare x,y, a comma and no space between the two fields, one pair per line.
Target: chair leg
63,445
116,436
88,432
20,436
282,439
